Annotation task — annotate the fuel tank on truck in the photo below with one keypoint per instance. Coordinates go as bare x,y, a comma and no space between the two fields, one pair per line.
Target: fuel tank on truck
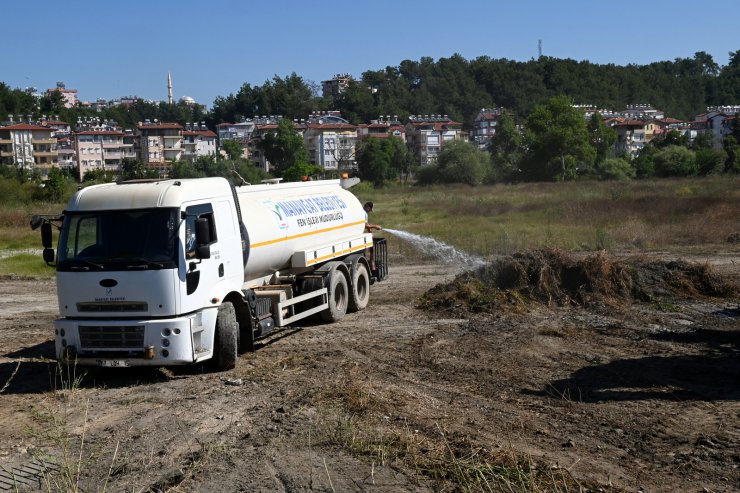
285,218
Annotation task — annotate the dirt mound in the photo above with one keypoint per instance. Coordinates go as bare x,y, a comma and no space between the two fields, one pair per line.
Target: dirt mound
555,277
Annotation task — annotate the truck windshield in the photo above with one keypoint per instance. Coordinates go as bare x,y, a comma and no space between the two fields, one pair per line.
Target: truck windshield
119,240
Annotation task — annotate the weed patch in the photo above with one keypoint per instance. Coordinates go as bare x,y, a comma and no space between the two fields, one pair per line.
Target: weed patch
554,277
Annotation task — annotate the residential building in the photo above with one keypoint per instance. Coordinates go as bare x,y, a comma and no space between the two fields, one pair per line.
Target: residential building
69,95
428,134
101,149
719,126
262,126
641,112
66,154
381,128
331,141
58,127
335,86
234,131
198,141
29,147
631,135
159,144
484,126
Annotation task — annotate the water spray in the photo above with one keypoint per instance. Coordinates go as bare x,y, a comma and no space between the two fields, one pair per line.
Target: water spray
439,249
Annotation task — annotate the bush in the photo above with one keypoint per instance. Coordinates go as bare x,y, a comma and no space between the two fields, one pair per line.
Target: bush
615,169
675,160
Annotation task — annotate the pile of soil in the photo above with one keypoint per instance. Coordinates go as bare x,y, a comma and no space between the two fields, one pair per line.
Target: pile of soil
554,277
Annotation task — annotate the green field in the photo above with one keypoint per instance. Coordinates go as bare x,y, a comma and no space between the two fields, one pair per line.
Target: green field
673,215
667,215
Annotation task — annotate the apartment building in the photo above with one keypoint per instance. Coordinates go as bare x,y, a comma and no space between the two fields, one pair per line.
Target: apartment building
198,141
632,135
159,144
334,87
235,131
428,134
69,95
102,149
263,126
29,147
383,127
484,126
331,146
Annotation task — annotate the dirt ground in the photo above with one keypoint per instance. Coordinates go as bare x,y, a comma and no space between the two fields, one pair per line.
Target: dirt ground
392,399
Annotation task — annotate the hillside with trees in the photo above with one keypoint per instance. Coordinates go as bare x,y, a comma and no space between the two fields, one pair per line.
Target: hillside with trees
453,86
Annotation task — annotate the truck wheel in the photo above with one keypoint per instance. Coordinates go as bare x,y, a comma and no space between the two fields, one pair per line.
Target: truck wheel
359,293
338,297
225,341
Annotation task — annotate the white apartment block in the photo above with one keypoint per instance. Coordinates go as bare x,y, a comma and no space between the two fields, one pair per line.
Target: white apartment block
102,149
198,142
428,134
159,144
29,147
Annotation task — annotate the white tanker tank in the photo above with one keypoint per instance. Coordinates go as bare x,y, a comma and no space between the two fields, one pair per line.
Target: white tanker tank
284,221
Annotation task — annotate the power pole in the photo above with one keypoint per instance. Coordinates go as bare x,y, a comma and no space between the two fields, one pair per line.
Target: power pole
539,48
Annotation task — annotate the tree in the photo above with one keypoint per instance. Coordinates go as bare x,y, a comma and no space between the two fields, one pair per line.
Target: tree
601,137
675,160
232,149
644,162
56,184
710,161
732,149
298,171
462,162
133,169
401,161
558,142
506,150
373,161
284,148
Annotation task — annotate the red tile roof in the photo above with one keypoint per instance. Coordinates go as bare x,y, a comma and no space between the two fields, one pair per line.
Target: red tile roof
25,126
160,126
204,133
328,126
99,132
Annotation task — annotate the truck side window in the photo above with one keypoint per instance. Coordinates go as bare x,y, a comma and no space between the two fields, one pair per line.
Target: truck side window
192,213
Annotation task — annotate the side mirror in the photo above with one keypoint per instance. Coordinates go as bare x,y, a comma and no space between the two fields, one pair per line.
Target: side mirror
203,251
48,255
203,231
46,235
203,238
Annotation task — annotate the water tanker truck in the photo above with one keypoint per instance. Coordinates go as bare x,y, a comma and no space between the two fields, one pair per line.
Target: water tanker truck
172,272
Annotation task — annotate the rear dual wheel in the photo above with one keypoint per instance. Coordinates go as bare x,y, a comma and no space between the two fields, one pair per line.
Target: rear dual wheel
338,296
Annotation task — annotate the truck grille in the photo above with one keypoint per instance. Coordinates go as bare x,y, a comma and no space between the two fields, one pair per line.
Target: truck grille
123,336
113,306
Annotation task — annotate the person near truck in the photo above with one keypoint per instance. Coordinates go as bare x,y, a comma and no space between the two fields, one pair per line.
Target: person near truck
369,227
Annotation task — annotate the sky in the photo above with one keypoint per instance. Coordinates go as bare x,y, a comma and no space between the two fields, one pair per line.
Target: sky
110,49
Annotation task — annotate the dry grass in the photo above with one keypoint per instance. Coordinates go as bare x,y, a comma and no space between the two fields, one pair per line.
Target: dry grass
639,215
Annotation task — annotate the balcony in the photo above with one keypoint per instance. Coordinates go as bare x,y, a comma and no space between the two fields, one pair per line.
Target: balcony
6,141
112,145
44,141
45,153
113,155
6,154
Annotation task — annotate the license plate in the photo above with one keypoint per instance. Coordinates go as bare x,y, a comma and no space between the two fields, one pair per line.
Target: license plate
114,363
